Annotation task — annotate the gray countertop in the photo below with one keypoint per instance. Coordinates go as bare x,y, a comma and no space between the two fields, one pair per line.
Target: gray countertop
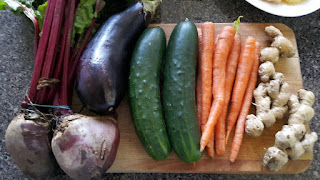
16,65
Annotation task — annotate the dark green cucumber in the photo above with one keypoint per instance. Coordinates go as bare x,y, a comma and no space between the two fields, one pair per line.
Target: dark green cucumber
144,93
179,80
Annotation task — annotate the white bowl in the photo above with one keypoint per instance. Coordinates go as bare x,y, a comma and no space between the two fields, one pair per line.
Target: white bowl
286,10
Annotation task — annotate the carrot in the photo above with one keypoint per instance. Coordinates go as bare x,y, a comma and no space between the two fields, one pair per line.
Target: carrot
206,58
222,49
245,106
210,146
198,90
206,69
231,70
242,78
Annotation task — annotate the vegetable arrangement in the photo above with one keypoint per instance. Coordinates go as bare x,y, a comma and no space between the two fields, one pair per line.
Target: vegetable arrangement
47,129
232,69
173,103
271,97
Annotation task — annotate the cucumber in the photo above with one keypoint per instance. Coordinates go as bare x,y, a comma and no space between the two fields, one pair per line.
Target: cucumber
179,80
144,93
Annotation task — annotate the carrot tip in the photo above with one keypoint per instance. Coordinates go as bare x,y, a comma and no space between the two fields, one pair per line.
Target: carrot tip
221,152
202,148
227,137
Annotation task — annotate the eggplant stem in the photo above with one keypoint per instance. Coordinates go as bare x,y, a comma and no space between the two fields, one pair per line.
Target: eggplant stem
150,6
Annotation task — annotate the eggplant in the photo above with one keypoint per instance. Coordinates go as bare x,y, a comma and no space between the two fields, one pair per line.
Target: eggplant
102,74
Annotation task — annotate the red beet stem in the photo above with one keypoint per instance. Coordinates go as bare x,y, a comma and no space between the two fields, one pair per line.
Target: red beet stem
43,43
63,97
58,67
50,58
31,16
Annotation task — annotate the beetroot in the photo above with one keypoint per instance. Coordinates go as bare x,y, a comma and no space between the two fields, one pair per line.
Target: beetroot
28,142
85,147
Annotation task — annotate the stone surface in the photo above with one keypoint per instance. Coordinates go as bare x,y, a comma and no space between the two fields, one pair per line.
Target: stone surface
16,65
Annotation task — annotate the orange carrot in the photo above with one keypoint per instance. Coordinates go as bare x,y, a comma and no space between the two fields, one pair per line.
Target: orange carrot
231,70
206,69
198,90
206,58
245,106
210,146
222,49
246,60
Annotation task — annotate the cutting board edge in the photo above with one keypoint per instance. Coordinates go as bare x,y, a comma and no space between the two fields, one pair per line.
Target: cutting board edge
264,171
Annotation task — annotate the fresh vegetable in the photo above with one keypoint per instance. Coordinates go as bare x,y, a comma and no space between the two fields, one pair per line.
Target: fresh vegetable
292,141
273,92
221,53
242,78
271,100
245,106
102,72
210,146
49,99
267,71
269,54
199,85
179,102
206,58
28,142
144,93
85,147
231,69
284,45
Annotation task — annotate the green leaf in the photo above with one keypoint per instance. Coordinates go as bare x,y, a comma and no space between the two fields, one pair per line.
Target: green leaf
2,5
12,5
85,13
236,24
40,13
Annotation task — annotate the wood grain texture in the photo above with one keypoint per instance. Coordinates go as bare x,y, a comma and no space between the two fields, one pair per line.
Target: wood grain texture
131,156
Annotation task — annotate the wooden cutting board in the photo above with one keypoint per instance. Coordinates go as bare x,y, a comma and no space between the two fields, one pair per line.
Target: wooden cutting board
131,156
